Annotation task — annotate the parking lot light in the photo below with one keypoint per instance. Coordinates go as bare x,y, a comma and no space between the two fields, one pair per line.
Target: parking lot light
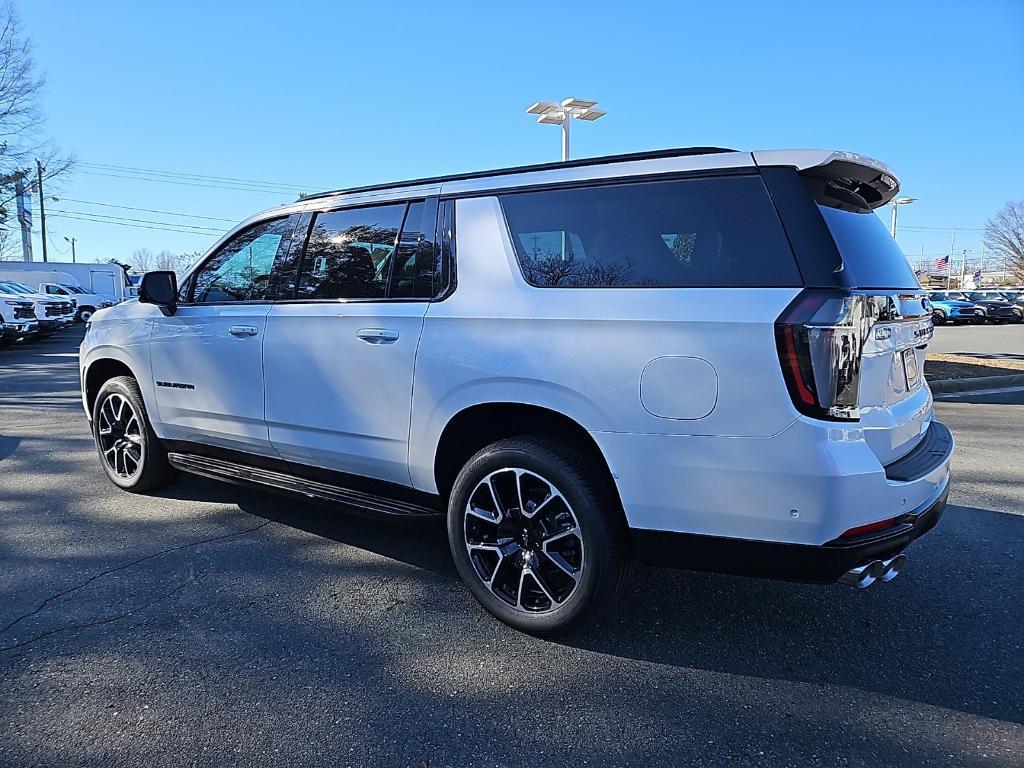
895,207
563,113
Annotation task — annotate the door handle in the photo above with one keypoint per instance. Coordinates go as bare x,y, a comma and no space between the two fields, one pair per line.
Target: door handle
377,335
241,331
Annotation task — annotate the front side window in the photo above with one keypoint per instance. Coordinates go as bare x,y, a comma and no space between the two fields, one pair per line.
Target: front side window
702,233
350,253
241,269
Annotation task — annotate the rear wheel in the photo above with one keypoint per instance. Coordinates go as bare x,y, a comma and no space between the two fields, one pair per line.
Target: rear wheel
537,535
132,455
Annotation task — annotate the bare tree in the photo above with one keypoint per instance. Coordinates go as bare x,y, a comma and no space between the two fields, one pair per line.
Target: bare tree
142,259
1004,237
21,120
166,260
186,260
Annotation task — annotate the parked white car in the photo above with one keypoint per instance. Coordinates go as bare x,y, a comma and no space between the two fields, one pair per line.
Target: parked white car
17,320
58,285
51,313
87,303
702,358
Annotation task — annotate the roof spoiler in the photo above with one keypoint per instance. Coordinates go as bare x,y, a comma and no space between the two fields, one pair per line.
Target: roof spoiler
838,179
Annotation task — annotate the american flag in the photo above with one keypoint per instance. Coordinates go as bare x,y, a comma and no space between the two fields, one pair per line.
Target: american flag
942,264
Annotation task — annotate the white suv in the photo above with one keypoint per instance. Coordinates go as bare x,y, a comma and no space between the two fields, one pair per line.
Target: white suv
701,358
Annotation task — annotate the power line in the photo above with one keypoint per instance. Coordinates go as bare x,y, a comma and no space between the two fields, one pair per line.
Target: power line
157,225
191,183
147,210
196,176
944,229
103,216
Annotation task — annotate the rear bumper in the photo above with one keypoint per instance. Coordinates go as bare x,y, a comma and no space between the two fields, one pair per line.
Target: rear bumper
791,562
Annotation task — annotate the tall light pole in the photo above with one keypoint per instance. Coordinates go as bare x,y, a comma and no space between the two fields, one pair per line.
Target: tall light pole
896,206
563,114
72,241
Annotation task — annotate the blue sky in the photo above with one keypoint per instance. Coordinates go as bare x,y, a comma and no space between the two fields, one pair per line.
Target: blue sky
330,94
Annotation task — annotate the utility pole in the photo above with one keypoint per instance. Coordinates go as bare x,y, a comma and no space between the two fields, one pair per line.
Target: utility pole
42,206
72,241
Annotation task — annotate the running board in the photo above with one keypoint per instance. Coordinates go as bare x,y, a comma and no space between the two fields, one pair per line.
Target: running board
219,469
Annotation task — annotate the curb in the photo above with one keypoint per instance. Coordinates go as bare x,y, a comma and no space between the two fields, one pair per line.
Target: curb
943,386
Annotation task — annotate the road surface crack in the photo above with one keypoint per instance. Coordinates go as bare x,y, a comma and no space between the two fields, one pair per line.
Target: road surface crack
96,622
7,627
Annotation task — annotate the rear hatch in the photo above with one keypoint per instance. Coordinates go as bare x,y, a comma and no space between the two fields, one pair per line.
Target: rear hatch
865,320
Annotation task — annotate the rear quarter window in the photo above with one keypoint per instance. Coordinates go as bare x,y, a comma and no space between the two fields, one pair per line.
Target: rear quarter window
692,233
869,252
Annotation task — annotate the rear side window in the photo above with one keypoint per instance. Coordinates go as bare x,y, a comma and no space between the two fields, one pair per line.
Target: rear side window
350,252
416,263
693,233
868,251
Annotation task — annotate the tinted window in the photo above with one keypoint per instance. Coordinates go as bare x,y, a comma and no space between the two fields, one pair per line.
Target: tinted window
417,262
695,233
869,252
350,252
240,270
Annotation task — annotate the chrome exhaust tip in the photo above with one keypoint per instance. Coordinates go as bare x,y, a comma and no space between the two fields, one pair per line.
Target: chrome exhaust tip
893,567
863,576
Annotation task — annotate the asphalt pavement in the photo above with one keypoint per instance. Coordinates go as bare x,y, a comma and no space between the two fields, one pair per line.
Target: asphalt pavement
993,341
215,625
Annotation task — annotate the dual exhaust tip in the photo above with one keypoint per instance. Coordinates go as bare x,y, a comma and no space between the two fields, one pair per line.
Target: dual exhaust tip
863,576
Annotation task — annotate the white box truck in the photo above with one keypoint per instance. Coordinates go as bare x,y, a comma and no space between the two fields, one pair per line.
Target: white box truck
100,279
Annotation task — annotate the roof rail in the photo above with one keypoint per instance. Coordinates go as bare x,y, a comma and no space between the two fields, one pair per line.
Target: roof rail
661,153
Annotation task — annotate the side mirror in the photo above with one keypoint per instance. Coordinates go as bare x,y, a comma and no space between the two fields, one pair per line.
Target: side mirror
160,288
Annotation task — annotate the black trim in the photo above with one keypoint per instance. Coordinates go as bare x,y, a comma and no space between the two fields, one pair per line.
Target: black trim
447,279
696,173
603,160
822,564
933,449
817,255
339,481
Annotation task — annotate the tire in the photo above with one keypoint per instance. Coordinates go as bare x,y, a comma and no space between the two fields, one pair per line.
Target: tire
130,452
84,313
577,527
939,318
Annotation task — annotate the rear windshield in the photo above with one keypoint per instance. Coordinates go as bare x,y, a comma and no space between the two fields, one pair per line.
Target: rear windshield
692,233
869,252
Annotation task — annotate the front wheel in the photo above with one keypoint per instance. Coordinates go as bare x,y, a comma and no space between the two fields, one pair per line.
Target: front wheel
132,455
537,534
939,318
84,313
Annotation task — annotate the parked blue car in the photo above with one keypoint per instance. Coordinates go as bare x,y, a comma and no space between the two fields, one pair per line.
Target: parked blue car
948,310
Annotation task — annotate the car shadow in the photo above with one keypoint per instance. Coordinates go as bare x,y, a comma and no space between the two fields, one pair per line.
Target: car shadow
943,633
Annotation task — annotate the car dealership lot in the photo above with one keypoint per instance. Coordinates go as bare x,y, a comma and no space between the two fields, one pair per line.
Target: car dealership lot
216,625
996,341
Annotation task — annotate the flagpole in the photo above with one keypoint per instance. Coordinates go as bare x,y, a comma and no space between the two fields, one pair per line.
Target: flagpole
949,269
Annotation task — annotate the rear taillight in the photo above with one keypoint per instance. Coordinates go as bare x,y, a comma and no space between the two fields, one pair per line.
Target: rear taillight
820,336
